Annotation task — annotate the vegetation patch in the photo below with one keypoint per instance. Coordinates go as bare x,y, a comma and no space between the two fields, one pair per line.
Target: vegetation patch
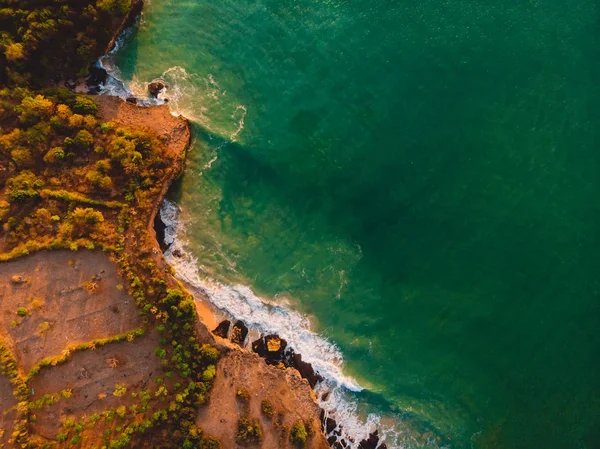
248,431
298,434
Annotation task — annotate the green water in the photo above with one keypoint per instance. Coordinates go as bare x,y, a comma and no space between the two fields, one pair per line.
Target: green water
421,177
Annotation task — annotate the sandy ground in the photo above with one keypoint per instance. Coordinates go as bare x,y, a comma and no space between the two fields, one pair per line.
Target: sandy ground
290,395
92,377
61,310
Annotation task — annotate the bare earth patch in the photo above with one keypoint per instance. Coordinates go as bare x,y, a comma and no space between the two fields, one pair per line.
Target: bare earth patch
52,299
290,396
171,130
91,377
7,411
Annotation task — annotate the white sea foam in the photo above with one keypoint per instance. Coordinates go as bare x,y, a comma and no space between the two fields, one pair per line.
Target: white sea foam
240,122
239,301
265,316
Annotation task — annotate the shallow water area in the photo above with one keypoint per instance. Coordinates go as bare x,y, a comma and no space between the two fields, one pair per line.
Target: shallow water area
422,178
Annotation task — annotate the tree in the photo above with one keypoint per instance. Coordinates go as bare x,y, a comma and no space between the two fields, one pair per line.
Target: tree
54,155
22,157
14,52
84,139
114,6
298,434
33,109
85,105
86,220
23,186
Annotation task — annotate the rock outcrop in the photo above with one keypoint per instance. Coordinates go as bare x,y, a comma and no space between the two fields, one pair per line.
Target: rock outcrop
155,88
239,333
222,329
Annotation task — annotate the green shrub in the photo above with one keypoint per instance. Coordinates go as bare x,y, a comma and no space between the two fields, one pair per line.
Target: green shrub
85,105
84,139
248,432
35,108
22,312
209,353
267,408
242,394
209,373
120,390
54,155
23,186
66,393
22,158
298,434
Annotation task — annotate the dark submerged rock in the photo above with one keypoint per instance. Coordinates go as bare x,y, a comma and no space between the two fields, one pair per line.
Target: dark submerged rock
330,425
222,329
372,442
304,368
239,333
159,229
96,78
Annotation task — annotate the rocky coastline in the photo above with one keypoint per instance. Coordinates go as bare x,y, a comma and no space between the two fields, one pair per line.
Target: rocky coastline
271,348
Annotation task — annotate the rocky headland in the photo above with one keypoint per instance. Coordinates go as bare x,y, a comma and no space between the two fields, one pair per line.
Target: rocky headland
100,344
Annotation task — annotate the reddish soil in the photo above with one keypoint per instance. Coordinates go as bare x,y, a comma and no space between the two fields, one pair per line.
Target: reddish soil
291,397
171,130
7,411
63,307
91,376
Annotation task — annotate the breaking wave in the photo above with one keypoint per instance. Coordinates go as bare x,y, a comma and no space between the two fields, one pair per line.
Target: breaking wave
192,96
269,317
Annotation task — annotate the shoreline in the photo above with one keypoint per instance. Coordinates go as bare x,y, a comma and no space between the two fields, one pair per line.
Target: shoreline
209,314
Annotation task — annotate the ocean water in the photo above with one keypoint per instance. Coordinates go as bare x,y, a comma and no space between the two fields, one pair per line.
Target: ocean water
409,191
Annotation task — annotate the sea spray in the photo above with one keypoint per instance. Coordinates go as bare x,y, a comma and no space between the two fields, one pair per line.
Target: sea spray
267,317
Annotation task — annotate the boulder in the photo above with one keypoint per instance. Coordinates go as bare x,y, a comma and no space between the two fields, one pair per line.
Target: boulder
330,425
304,368
97,76
222,329
17,279
272,348
155,88
372,442
239,333
131,100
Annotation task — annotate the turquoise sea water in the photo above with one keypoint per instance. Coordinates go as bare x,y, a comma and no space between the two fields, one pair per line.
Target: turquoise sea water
421,178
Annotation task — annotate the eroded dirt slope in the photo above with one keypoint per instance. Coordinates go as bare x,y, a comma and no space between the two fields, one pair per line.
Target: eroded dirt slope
243,382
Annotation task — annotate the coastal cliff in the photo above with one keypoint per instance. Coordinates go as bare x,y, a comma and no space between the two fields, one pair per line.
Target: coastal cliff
100,345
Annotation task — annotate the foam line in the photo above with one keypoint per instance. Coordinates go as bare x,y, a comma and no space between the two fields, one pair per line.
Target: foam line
264,316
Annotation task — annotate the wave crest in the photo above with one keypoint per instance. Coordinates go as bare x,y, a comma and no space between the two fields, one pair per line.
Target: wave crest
268,317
